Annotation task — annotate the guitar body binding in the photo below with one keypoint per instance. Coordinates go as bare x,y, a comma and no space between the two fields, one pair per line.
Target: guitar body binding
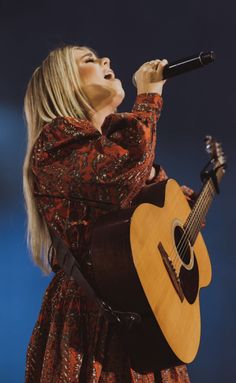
138,269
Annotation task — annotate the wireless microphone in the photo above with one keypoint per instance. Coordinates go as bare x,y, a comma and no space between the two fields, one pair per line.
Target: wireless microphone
185,65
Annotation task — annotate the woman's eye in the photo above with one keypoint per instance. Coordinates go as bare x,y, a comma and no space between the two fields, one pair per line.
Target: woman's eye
91,60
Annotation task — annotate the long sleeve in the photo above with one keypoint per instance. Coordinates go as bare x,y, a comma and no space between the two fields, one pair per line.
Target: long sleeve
74,165
73,159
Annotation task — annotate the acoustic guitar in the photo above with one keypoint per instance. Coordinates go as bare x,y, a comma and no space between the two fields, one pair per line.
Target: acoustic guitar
151,260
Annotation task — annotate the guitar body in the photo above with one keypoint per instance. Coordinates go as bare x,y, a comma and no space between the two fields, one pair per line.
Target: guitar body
143,263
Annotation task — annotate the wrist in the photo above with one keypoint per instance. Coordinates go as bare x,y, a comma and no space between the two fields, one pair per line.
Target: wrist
151,88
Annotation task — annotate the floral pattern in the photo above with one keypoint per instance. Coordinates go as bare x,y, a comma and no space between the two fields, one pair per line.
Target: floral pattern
79,175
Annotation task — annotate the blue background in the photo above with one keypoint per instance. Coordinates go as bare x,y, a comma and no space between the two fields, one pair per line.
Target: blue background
195,104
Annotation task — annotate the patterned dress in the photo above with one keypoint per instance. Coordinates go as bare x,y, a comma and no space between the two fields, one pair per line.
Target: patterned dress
79,175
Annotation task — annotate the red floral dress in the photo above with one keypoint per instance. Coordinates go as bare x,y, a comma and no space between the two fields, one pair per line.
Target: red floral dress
80,174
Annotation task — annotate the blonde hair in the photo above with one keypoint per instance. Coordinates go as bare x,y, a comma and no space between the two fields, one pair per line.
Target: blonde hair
54,90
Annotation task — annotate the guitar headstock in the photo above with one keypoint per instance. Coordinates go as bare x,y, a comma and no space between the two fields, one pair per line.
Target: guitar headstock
214,149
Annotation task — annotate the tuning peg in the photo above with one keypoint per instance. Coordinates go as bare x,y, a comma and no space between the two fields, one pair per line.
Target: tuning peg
208,138
208,143
219,150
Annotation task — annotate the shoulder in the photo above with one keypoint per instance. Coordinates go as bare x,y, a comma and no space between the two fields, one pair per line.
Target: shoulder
68,127
61,135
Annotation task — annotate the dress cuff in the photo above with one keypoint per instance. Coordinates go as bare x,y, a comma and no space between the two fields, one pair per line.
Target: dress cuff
146,102
159,176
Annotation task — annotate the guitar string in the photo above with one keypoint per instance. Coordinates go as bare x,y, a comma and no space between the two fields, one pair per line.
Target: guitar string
180,250
183,249
176,257
182,241
194,226
211,191
190,231
209,194
201,200
193,229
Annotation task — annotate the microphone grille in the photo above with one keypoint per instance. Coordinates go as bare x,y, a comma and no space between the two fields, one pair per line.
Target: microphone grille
207,58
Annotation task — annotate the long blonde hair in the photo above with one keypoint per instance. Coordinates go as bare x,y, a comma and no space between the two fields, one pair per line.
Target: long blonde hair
54,90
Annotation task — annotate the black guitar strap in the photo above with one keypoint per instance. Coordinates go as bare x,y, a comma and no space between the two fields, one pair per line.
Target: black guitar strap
68,263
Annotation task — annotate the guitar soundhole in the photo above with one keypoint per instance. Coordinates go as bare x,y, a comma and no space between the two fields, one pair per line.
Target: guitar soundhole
189,278
182,245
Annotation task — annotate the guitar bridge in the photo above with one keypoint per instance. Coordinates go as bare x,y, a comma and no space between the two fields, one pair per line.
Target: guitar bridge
171,271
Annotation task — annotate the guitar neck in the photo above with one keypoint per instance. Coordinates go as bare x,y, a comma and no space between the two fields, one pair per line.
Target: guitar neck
198,214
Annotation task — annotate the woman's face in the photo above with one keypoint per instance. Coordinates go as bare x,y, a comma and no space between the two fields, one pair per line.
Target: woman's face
98,81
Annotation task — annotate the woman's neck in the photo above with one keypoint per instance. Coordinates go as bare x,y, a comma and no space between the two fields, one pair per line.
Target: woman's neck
99,116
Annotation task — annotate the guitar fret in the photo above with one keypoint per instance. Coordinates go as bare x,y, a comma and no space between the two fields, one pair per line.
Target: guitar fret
197,216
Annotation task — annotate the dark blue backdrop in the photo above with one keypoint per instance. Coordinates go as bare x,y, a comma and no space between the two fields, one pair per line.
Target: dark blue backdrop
198,103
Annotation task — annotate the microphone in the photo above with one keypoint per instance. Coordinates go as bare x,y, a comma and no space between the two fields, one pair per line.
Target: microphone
185,65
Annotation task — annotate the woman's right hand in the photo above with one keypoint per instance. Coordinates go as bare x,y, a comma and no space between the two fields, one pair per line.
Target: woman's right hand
149,77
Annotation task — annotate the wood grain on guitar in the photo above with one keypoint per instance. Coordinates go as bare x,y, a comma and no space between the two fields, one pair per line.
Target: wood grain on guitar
152,259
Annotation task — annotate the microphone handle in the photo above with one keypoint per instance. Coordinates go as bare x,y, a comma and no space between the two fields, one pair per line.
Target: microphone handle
187,64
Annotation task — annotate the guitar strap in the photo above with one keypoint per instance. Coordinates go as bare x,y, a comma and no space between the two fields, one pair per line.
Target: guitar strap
68,263
71,267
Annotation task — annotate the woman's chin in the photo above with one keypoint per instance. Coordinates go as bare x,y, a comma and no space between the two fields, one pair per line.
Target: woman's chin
120,94
109,96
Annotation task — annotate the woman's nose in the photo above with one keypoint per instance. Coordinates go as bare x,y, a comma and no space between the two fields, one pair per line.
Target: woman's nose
105,61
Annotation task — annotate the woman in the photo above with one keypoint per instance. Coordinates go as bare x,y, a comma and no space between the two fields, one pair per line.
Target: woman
83,159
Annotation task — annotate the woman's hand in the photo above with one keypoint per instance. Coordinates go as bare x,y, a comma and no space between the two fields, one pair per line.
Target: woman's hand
149,77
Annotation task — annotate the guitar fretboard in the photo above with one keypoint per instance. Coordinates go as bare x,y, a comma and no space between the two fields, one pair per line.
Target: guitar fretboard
198,214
